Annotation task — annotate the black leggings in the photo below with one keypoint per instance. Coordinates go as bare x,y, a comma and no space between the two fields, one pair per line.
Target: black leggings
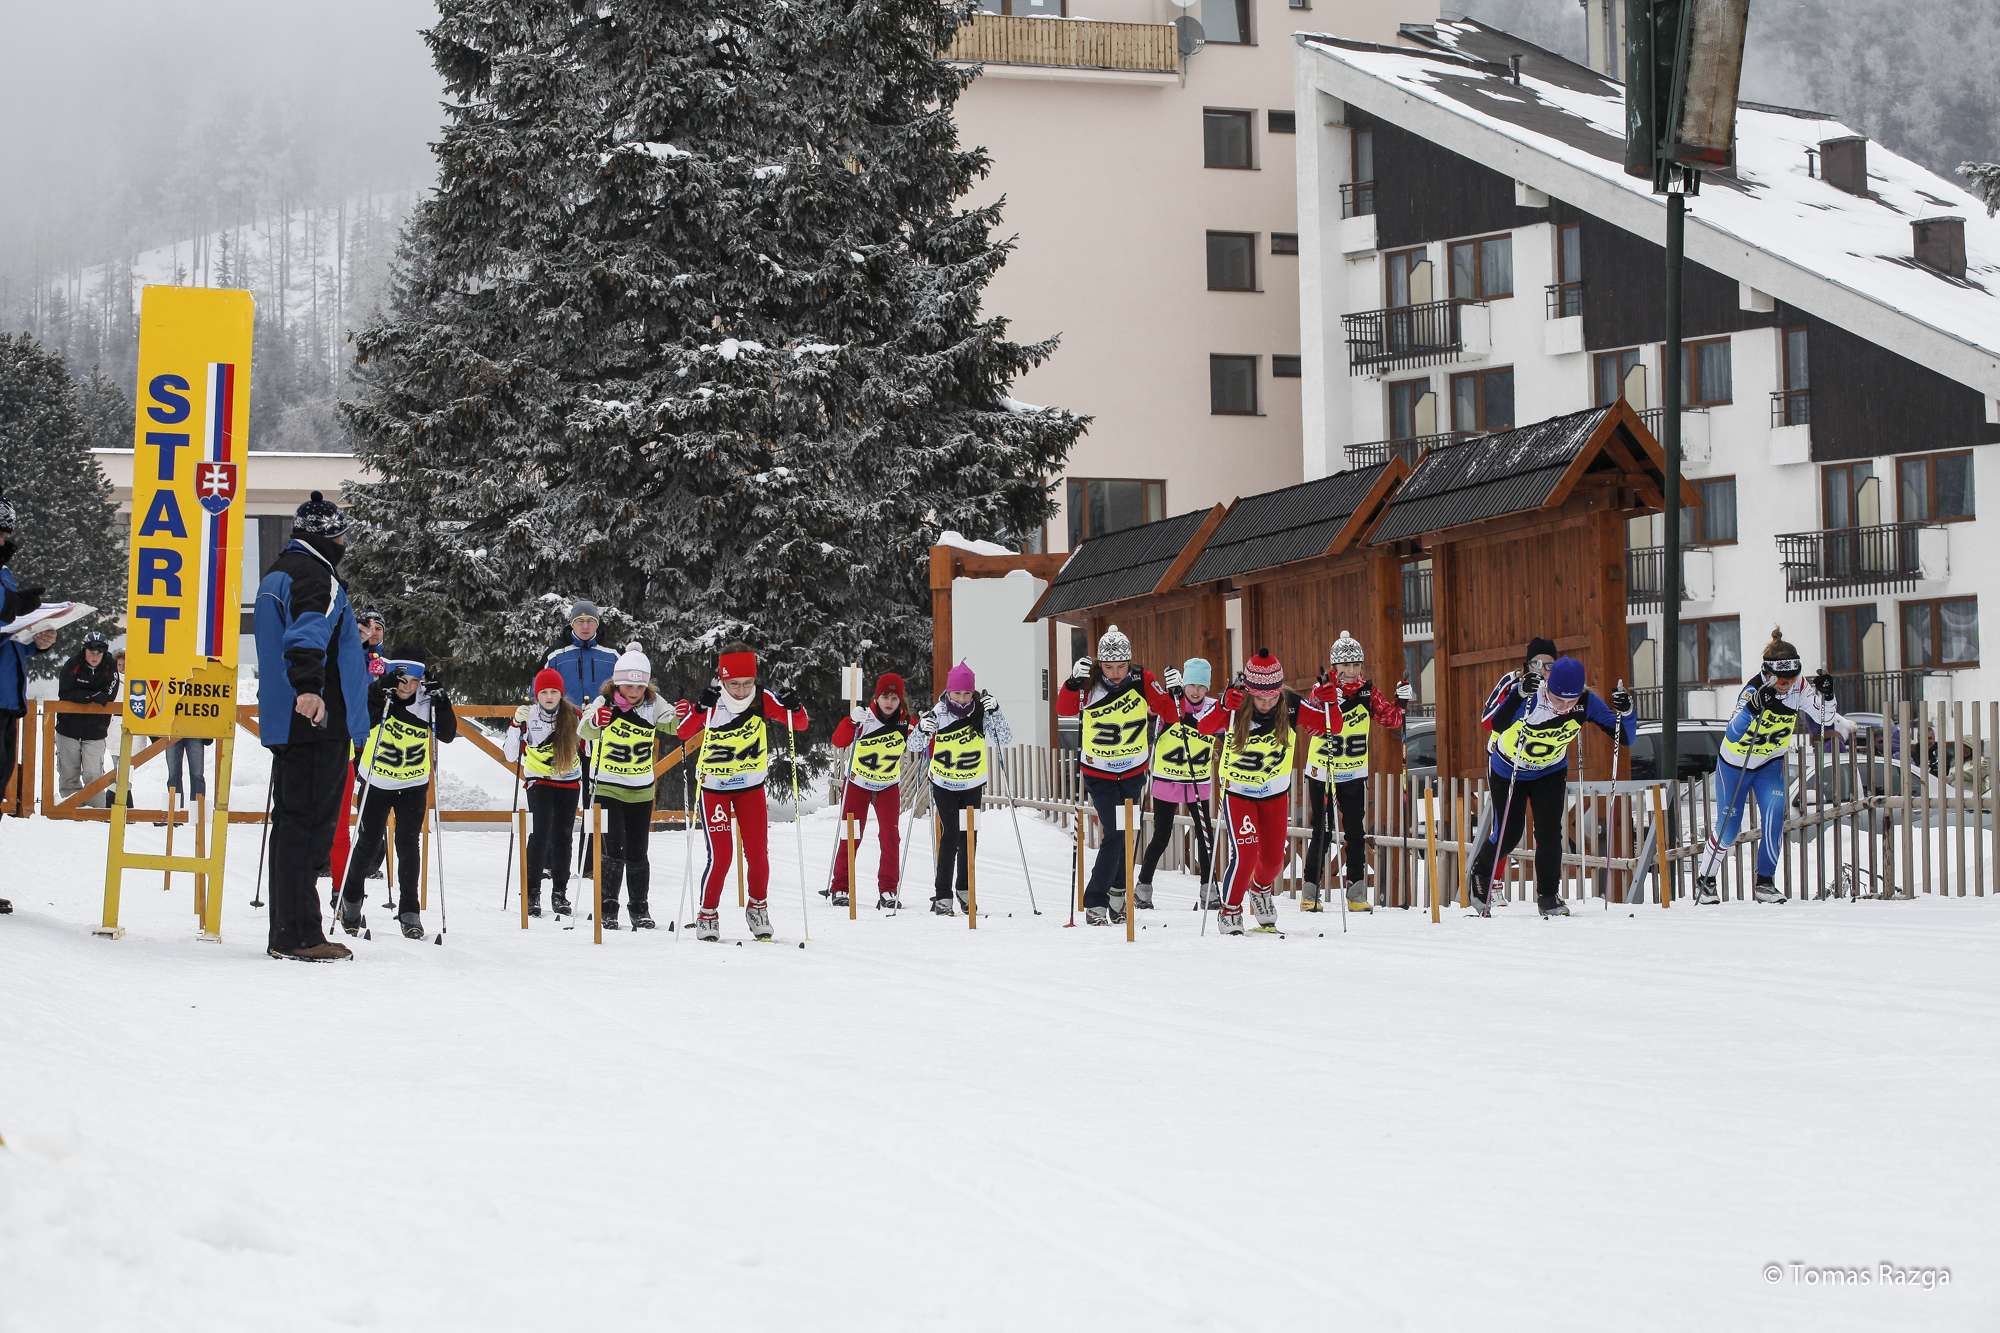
1109,796
410,809
1545,793
628,827
551,822
1352,796
953,864
1164,813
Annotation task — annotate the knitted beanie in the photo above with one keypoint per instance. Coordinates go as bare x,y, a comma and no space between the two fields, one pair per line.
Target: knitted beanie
1346,649
1264,671
959,678
1566,678
1114,646
319,517
548,678
889,683
1195,672
633,667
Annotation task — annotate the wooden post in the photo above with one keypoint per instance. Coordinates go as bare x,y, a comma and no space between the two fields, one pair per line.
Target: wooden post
736,852
167,876
114,860
971,826
1660,847
1080,818
852,884
1431,851
201,854
521,860
597,870
424,860
1131,848
1461,793
388,852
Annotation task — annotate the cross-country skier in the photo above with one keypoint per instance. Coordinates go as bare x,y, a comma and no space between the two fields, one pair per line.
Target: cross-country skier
1752,763
959,733
622,728
1534,723
733,717
875,735
1182,760
394,769
1259,756
544,741
1116,701
1337,767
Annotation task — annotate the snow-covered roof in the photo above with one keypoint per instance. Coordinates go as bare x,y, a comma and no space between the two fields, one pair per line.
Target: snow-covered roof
1770,223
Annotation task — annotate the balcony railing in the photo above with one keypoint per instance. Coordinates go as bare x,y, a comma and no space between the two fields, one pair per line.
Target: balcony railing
1410,450
1646,700
1357,199
1878,559
1877,691
1060,43
1417,597
1646,578
1791,407
1404,336
1564,299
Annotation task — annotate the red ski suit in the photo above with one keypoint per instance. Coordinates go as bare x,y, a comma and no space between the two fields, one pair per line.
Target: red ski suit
1259,826
724,811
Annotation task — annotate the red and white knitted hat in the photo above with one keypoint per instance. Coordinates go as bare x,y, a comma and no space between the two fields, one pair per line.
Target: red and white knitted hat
1264,671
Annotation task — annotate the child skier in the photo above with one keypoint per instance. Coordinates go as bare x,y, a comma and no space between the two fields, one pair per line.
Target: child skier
1337,767
1534,723
622,728
395,773
543,740
1182,760
959,733
1116,701
733,717
1752,763
875,735
1259,756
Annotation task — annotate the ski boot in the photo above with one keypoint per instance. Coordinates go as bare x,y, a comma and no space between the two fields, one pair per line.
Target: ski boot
1706,894
412,924
1309,895
1264,909
837,897
1096,916
1766,890
1357,896
964,903
1142,895
1210,899
1229,920
640,918
759,916
535,901
611,914
1554,907
1117,907
1478,892
888,902
351,919
324,952
942,906
707,926
559,902
6,906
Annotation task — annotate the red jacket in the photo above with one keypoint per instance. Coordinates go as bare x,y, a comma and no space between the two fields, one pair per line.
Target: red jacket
843,733
1069,703
1310,719
1386,709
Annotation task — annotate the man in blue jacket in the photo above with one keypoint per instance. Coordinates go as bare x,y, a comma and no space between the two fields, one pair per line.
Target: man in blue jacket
582,662
312,703
14,601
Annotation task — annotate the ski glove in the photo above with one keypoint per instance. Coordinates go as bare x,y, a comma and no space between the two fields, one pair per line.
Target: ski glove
1621,701
1769,696
785,699
1326,692
709,697
1530,682
1232,698
1404,694
602,717
1823,684
683,710
1171,678
858,714
26,600
521,716
928,723
1079,673
988,702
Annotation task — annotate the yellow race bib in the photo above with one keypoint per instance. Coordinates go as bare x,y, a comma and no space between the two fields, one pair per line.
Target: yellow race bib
1260,766
1114,731
1183,754
397,754
876,761
1530,749
1346,754
1769,734
737,755
958,757
625,751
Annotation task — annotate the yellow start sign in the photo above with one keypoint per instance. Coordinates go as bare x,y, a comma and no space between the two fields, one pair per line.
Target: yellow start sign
189,475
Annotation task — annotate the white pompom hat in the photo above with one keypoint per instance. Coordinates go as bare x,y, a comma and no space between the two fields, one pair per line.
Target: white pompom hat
633,666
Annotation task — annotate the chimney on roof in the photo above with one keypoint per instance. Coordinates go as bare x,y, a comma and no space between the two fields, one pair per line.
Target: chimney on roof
1514,67
1939,243
1844,163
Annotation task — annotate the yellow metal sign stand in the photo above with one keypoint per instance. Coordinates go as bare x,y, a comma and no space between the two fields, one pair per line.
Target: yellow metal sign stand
183,616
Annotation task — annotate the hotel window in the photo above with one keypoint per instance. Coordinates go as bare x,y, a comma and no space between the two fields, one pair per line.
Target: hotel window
1232,261
1935,488
1712,651
1282,122
1941,634
1226,139
1705,373
1713,521
1607,375
1226,22
1286,367
1483,400
1232,386
1284,242
1482,270
1097,506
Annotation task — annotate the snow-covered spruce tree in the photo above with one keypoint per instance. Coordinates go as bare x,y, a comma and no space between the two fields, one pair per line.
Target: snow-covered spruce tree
72,540
1983,179
692,327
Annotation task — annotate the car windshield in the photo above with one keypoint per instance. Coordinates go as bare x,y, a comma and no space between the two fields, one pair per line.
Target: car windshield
1420,749
1695,748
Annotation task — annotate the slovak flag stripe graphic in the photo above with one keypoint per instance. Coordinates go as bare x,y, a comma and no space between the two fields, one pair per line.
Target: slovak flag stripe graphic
215,487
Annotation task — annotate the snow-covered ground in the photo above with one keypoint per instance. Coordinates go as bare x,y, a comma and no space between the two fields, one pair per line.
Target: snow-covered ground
1614,1121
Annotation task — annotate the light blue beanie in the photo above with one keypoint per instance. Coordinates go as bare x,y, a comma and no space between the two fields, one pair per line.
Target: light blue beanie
1195,672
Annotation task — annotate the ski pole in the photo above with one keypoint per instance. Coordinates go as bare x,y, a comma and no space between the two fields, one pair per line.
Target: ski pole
257,893
1222,803
1611,804
1507,811
437,818
687,845
584,843
514,808
1014,808
798,823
